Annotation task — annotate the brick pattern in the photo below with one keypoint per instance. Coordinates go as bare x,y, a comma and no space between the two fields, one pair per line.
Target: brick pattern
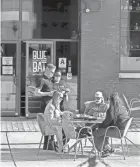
100,61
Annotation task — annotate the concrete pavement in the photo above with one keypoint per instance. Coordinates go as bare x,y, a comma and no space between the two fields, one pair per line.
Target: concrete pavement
25,155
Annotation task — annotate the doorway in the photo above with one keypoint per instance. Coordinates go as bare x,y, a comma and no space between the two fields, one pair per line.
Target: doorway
9,84
68,51
35,55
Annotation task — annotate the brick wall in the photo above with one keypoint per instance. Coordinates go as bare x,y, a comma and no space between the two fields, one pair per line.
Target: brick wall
100,64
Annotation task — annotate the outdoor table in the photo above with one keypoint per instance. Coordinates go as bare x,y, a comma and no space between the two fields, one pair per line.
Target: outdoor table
83,121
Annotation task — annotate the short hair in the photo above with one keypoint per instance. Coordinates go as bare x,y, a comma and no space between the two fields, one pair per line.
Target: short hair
50,66
58,72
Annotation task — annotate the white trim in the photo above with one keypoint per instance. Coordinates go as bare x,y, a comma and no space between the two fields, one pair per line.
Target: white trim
39,42
129,75
26,87
49,39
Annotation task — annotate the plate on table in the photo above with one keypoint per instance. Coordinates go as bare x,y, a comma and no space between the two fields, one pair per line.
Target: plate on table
85,117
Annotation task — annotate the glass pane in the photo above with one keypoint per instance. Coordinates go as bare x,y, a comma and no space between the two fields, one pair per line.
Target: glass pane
39,56
50,19
9,19
135,29
130,36
68,51
8,73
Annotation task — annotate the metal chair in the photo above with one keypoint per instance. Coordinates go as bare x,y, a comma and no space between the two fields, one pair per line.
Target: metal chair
69,130
119,135
45,129
131,109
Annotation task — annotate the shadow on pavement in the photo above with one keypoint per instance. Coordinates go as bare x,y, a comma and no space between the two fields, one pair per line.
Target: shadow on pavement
30,154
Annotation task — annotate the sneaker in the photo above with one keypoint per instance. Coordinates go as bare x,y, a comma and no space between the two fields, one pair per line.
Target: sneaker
107,153
111,150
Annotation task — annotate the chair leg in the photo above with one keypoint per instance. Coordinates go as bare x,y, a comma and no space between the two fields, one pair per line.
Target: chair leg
10,150
48,142
123,148
111,142
68,152
75,150
40,145
85,142
81,147
127,148
103,144
93,144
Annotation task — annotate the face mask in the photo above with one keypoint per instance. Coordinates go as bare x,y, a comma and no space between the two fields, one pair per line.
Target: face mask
98,100
57,79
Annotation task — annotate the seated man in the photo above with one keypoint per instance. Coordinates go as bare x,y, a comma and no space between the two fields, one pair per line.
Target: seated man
98,107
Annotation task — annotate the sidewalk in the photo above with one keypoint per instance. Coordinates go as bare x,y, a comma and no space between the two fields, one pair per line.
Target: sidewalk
24,147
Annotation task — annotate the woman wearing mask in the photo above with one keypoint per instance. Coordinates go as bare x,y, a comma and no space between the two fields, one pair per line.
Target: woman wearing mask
60,85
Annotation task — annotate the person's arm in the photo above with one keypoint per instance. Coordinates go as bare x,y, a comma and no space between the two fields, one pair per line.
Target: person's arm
108,120
103,108
49,112
65,97
38,91
88,108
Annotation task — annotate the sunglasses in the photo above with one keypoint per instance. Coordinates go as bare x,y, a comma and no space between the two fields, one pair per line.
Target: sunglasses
97,98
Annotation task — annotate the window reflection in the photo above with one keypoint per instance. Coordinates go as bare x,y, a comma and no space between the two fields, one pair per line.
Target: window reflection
9,19
50,19
8,59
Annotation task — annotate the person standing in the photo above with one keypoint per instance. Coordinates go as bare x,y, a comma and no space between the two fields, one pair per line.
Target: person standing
46,91
60,86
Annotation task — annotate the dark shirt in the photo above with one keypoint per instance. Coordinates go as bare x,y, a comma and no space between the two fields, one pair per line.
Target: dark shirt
45,86
119,120
61,86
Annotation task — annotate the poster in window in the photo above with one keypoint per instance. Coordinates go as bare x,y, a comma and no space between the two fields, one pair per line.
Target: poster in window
7,60
7,70
38,58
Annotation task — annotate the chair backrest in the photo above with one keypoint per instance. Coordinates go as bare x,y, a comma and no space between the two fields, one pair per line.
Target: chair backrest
127,127
134,101
68,128
41,122
127,104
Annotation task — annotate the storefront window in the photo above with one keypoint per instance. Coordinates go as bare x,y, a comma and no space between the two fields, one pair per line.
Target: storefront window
57,19
9,19
8,59
130,35
67,62
8,53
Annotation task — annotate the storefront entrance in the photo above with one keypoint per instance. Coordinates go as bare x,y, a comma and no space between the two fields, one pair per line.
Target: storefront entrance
9,79
38,54
63,54
31,28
